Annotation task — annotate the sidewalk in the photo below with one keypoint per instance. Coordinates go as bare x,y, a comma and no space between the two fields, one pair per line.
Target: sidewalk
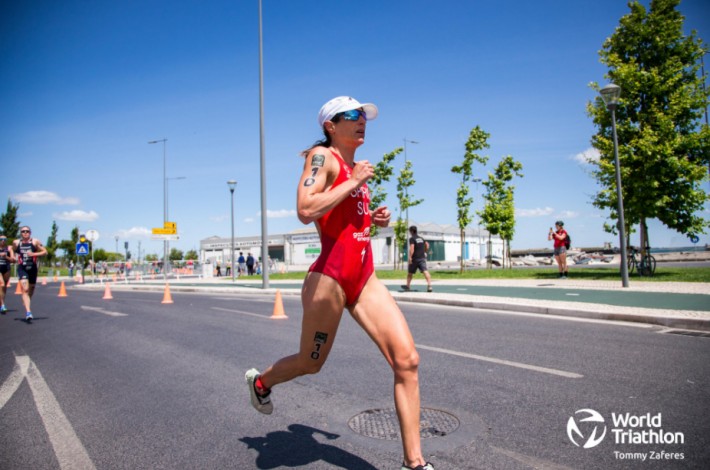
671,304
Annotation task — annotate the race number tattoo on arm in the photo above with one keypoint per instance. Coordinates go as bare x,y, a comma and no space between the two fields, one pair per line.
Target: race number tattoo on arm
309,181
317,162
318,342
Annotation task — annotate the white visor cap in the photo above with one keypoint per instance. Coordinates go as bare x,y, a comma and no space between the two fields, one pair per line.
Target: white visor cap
344,103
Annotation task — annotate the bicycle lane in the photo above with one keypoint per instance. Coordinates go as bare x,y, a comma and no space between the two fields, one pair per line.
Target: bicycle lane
636,299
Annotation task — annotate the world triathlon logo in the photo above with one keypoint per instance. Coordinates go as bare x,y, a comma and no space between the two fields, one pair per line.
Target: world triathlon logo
591,430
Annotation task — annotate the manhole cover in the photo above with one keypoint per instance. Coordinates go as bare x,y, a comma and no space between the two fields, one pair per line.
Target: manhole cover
383,424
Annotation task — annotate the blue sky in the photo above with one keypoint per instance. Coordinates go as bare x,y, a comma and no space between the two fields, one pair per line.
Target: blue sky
85,85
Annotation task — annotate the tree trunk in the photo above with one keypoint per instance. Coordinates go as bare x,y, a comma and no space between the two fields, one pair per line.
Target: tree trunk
463,240
489,254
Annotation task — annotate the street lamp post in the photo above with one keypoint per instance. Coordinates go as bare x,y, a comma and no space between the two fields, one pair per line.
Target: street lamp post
610,95
262,153
167,194
232,185
165,207
167,203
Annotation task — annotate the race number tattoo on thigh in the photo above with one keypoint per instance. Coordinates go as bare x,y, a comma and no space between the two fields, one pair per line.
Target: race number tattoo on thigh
318,342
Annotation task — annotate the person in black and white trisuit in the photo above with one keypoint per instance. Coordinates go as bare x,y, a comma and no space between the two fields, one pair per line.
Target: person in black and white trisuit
26,250
5,261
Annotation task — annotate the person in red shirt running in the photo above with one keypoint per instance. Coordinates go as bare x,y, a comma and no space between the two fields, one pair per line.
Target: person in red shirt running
559,235
333,193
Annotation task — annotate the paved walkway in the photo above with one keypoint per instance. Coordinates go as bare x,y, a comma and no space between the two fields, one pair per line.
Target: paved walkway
680,305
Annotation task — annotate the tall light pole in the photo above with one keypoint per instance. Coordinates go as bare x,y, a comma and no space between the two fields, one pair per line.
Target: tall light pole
232,185
610,95
264,229
167,193
406,188
165,207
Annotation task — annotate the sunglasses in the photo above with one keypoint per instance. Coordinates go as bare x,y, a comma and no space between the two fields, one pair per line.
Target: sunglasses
24,231
353,115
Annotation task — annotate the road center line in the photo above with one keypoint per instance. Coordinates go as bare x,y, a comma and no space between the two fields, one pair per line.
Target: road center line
105,312
240,311
520,365
68,448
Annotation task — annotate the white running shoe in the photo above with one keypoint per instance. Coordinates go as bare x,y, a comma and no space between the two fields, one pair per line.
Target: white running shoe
262,404
426,466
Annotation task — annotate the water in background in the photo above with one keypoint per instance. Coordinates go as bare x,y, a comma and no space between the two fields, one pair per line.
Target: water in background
683,249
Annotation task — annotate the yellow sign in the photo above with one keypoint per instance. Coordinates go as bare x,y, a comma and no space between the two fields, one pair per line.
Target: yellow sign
164,231
169,228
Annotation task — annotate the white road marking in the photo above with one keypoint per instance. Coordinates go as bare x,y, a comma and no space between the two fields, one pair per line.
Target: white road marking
13,382
240,311
520,365
572,294
68,449
105,312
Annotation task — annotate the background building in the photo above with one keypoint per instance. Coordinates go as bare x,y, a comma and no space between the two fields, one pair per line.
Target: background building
302,247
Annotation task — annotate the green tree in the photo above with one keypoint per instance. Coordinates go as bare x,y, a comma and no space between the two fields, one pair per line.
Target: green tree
151,257
405,180
477,140
69,246
9,224
498,214
175,254
664,150
52,244
192,255
383,173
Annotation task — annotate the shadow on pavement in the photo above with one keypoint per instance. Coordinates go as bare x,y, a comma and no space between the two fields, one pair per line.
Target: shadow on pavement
298,447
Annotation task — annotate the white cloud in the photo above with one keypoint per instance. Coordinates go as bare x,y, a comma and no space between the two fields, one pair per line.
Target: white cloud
568,214
134,232
537,212
249,220
43,197
76,215
588,156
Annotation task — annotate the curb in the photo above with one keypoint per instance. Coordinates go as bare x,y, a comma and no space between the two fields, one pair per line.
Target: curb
585,311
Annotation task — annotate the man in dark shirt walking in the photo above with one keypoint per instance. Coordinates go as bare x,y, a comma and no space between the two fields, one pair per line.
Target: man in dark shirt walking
418,248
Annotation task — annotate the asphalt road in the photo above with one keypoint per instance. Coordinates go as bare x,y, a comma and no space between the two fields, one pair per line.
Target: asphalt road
132,383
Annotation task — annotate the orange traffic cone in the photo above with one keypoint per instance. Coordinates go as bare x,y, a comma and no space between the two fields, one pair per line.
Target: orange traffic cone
18,289
44,281
55,277
278,307
62,290
167,298
107,293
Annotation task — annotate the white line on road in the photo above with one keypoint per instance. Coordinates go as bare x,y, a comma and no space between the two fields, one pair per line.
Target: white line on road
240,311
105,312
68,449
13,382
520,365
